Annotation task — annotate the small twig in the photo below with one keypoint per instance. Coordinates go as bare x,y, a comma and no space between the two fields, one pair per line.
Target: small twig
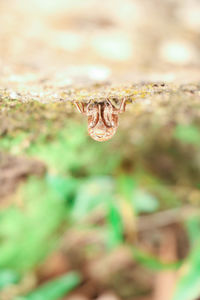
165,280
165,218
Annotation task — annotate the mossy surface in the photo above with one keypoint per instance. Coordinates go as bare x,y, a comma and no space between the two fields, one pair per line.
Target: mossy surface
158,130
33,115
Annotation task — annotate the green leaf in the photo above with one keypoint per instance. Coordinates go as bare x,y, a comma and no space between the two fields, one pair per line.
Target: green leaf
66,187
151,262
8,277
154,185
141,200
126,186
193,229
29,234
115,226
55,289
92,193
188,287
144,202
188,134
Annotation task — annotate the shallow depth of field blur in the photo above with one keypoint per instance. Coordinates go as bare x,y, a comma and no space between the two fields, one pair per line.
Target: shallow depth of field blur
83,220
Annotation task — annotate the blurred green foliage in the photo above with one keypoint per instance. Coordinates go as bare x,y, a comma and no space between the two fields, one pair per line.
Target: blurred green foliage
55,289
188,134
33,221
188,287
8,277
83,177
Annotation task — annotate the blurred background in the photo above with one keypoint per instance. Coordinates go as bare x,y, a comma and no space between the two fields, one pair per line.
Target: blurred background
100,38
83,220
